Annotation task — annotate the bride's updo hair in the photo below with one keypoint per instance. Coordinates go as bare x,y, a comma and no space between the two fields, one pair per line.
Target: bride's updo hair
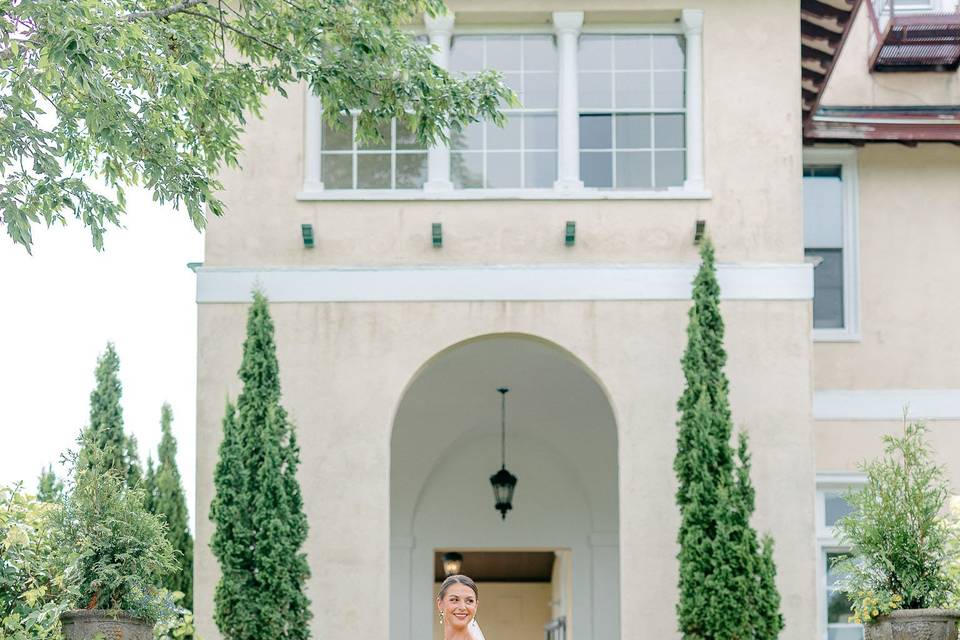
457,579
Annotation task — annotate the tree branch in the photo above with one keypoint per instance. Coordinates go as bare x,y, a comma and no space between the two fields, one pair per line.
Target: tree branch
163,13
227,25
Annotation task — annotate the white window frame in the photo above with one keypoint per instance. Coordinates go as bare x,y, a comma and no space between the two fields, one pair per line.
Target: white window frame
826,539
568,186
847,160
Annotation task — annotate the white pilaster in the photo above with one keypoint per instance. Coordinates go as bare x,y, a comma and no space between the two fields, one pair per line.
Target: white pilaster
566,25
440,30
693,33
311,132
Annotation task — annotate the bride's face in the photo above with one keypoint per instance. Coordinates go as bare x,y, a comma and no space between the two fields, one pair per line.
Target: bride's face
458,606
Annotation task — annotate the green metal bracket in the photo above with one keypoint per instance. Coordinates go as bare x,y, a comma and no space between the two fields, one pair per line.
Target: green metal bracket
306,230
700,230
570,233
437,233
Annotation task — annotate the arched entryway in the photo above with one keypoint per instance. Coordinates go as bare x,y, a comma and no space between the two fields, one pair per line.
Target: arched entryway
561,444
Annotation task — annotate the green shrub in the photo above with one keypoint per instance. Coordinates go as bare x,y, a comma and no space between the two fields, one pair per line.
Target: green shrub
114,546
31,590
900,553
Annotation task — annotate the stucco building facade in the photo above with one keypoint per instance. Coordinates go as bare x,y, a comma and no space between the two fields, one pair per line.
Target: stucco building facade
437,276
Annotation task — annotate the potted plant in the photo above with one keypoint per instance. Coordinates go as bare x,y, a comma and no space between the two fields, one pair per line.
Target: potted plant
898,572
111,549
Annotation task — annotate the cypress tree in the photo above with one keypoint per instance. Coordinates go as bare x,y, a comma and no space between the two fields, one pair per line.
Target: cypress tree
131,458
49,486
150,486
258,507
105,430
727,589
169,501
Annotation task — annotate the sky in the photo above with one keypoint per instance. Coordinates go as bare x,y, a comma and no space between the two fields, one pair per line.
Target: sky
59,309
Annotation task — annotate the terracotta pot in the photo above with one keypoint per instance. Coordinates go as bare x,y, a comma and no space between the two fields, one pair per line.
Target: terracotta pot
914,624
84,624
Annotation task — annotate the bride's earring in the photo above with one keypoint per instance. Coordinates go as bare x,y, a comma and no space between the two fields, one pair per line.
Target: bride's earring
441,617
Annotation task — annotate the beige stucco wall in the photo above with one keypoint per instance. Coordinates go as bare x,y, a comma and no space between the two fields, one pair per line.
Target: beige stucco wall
344,370
842,446
852,84
909,269
752,156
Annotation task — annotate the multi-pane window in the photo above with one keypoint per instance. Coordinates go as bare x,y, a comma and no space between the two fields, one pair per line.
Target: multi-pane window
397,162
522,154
835,606
632,111
839,626
823,242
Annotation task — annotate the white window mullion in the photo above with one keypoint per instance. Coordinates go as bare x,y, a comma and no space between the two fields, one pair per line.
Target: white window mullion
567,26
692,20
312,130
354,155
440,31
393,153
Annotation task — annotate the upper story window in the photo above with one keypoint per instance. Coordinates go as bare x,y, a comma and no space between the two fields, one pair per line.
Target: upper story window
829,242
631,111
603,113
398,162
523,153
823,242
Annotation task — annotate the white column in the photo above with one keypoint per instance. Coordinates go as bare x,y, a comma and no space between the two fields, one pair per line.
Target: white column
566,25
693,33
311,132
440,30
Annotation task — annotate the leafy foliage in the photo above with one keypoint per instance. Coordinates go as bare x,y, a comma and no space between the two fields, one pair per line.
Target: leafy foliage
165,498
32,589
727,577
258,507
899,543
178,626
117,549
49,486
156,92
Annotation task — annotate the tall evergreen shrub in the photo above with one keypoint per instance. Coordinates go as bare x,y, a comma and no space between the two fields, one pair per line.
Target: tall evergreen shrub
257,509
165,497
727,577
105,429
117,452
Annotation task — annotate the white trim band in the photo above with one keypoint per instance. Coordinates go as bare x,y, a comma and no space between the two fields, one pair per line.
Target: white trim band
886,404
516,283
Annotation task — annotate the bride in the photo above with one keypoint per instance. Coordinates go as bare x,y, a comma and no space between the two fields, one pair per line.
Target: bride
457,606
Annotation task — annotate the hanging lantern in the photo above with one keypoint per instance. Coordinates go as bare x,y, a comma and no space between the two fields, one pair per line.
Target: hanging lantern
503,481
452,563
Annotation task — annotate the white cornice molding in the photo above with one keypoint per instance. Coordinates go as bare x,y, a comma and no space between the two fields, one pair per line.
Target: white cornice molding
886,404
499,283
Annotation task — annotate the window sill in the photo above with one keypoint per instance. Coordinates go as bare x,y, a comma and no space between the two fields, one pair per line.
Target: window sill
836,335
500,194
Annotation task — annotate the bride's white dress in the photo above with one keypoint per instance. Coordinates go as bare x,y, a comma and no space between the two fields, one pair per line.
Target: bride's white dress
475,632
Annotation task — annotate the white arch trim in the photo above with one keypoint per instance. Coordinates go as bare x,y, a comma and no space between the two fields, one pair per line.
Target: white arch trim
753,281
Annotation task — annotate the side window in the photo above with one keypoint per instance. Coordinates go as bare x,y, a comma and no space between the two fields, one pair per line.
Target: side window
834,605
632,111
823,241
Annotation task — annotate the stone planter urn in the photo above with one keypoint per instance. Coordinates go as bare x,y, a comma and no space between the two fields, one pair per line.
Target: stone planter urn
85,624
914,624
